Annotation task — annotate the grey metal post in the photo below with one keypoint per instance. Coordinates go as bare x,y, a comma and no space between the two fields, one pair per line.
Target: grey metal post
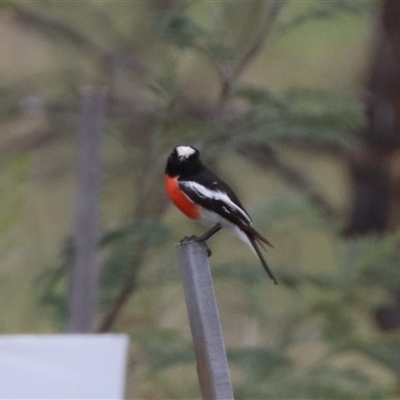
85,274
208,342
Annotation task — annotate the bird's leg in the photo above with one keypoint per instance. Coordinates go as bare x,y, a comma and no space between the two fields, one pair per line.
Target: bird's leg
204,237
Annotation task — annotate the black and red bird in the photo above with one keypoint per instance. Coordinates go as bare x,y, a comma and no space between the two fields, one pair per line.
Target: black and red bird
201,195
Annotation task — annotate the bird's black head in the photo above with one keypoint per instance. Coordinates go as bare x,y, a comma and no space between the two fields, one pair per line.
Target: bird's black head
184,160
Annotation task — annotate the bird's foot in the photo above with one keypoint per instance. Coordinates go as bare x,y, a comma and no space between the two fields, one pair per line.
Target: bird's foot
189,239
194,238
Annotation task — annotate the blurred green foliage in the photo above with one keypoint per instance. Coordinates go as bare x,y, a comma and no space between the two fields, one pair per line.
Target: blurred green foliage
311,337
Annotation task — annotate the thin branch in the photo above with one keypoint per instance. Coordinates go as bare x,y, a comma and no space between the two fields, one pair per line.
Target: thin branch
228,77
143,207
126,291
265,157
52,27
258,44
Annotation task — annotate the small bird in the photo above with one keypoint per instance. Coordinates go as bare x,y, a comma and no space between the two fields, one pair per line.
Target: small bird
201,195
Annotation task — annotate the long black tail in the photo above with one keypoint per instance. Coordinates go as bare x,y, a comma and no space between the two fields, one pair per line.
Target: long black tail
262,259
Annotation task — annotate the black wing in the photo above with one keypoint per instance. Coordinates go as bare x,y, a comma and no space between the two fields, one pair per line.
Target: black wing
211,192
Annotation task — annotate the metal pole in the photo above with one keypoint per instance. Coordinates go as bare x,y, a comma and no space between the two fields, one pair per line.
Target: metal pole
212,364
85,274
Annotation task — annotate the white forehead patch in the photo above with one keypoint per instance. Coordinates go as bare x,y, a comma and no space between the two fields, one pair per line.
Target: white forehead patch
185,151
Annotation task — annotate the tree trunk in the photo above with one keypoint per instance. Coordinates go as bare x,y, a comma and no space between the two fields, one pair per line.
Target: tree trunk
375,167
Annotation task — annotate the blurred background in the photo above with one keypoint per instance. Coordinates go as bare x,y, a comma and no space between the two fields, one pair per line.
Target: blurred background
295,104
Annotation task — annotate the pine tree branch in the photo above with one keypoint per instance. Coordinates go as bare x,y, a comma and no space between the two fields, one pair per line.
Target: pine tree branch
230,76
262,38
55,28
265,157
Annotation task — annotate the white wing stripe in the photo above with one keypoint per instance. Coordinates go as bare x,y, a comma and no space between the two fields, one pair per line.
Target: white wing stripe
215,194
